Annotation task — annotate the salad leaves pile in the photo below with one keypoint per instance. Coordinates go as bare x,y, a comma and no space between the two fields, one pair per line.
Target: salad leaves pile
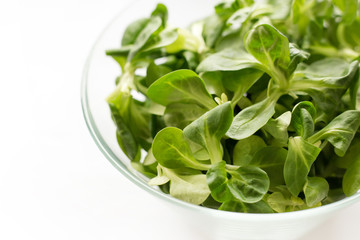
254,109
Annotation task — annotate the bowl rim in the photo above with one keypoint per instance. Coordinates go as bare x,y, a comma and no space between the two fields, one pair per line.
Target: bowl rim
113,159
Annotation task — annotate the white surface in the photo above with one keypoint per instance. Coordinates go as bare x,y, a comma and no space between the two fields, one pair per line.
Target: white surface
54,182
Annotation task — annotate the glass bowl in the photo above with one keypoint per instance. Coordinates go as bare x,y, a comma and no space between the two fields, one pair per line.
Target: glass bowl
98,81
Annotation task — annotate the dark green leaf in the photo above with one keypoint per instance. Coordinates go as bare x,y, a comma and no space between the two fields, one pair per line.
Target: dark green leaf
154,72
271,160
133,30
124,136
237,206
245,150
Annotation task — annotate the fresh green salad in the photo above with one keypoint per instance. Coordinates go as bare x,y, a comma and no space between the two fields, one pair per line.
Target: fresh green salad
255,108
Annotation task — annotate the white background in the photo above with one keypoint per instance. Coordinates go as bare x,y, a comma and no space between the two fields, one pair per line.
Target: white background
54,182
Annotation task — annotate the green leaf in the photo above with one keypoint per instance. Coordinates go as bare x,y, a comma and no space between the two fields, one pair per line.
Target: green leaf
192,59
302,119
208,130
340,131
326,81
165,38
160,179
189,188
278,128
301,155
133,30
217,180
125,138
148,171
297,56
144,35
162,12
348,37
349,9
185,41
180,86
352,155
228,59
271,160
248,184
281,202
270,47
237,206
154,72
182,114
354,90
315,190
213,27
213,82
245,150
240,82
172,151
251,119
351,180
227,7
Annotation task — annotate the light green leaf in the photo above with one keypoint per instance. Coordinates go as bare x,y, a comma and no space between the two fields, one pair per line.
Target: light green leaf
251,119
248,184
340,131
208,130
172,151
285,203
228,60
301,155
271,48
349,9
315,189
303,117
180,86
278,128
182,114
189,188
217,180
